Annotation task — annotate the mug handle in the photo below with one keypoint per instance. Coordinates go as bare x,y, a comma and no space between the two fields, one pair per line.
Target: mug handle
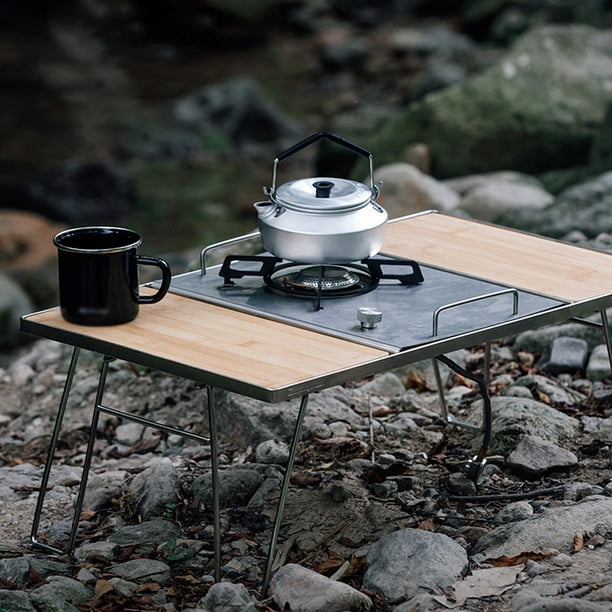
165,282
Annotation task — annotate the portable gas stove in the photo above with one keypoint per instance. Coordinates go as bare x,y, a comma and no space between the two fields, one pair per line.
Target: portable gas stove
386,302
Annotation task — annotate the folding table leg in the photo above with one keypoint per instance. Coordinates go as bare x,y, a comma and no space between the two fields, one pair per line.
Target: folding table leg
606,332
78,506
283,494
50,455
214,464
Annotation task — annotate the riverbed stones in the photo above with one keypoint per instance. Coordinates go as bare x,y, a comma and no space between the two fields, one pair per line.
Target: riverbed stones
236,486
598,366
142,570
407,562
534,456
152,533
514,417
228,596
567,354
554,528
527,101
298,588
409,190
59,594
14,302
494,197
155,489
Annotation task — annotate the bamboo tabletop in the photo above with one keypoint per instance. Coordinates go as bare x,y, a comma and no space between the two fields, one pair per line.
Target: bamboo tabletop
222,341
520,260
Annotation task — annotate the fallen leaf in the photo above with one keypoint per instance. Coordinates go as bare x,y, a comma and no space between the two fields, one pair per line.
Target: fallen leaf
102,587
541,396
578,542
429,524
518,559
414,380
481,583
334,560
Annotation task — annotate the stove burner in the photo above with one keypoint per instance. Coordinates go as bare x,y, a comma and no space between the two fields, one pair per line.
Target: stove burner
320,280
327,278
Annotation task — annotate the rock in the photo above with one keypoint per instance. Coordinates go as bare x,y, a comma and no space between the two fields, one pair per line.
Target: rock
59,594
495,197
16,601
534,456
153,532
514,417
406,562
236,486
586,207
564,604
250,422
88,550
142,570
155,489
470,182
567,354
542,101
575,491
102,488
298,588
238,109
515,511
228,596
387,384
554,528
26,240
84,193
406,190
14,303
538,340
598,366
17,569
551,390
272,451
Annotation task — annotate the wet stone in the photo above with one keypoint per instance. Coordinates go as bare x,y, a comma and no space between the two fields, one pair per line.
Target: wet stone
516,511
142,570
567,354
298,588
152,532
534,456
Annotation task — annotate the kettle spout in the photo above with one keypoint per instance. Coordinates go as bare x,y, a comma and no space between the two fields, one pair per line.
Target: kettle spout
264,209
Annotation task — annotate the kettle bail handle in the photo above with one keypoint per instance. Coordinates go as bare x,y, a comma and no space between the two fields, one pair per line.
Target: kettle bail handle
313,138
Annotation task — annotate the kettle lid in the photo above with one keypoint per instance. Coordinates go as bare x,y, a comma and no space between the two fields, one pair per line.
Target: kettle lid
322,194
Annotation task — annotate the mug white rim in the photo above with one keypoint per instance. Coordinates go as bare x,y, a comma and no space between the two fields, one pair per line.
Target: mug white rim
118,249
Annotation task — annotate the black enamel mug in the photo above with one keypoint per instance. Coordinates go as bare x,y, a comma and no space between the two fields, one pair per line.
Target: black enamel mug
98,275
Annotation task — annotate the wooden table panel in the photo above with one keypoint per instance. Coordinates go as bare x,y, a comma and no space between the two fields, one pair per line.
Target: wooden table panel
226,342
518,259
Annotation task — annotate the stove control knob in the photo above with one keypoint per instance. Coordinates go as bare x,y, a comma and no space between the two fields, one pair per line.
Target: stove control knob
369,317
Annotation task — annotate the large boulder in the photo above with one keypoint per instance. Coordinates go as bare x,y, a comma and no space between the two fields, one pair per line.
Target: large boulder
534,111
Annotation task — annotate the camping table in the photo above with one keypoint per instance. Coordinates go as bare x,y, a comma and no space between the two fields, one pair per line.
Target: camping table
275,361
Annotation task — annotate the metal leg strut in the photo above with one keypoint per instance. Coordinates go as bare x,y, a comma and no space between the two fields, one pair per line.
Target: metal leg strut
283,493
50,455
475,466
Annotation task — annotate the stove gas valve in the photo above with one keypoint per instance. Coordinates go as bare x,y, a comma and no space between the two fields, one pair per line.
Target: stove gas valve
369,317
